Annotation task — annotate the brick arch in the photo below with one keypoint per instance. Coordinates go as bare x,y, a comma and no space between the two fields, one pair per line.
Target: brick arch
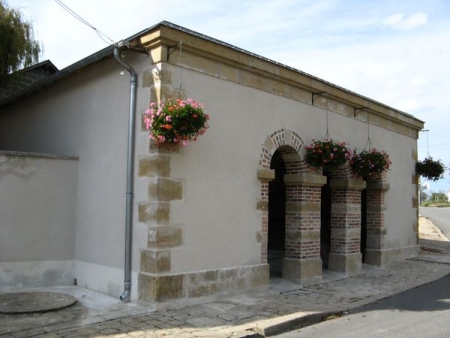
291,147
302,262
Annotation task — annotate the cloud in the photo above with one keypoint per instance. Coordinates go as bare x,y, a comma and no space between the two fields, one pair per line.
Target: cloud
399,20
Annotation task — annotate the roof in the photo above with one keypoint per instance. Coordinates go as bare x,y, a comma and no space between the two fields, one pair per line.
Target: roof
26,77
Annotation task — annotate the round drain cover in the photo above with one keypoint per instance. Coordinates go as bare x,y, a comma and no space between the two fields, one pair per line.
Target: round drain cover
35,301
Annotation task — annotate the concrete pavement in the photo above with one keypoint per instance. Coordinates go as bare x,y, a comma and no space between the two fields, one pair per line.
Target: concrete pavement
259,313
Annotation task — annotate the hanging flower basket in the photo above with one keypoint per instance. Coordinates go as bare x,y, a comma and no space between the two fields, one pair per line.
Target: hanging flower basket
370,163
430,169
176,121
327,153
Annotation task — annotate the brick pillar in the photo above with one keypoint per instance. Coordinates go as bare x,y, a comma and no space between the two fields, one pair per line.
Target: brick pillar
345,255
302,263
375,221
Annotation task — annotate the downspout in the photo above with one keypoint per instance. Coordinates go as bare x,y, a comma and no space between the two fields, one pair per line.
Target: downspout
130,172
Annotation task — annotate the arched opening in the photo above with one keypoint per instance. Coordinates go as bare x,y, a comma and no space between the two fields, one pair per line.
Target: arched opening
277,216
325,221
363,243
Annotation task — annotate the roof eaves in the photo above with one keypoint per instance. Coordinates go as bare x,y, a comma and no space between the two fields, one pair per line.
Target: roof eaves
202,36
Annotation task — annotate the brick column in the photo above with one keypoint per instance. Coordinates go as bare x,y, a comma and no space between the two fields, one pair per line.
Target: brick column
345,255
302,263
375,221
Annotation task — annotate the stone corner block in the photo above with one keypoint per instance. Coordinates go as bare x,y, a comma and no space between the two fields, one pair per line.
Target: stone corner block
262,205
154,166
165,237
303,271
266,174
155,261
160,288
348,264
154,213
165,189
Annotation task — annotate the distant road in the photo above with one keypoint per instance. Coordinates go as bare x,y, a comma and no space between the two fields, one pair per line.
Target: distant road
439,216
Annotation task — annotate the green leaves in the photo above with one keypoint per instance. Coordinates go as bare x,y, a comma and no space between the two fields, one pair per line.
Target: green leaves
18,49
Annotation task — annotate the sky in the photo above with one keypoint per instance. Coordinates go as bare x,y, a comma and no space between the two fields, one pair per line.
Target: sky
393,51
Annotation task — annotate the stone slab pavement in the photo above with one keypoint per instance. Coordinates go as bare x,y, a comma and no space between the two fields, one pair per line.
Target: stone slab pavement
260,313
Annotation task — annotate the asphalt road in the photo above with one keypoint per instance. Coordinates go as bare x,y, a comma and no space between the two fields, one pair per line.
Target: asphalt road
439,216
420,312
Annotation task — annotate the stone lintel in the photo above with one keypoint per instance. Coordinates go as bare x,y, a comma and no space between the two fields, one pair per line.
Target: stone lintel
306,179
341,208
350,264
370,185
266,174
350,184
302,207
303,271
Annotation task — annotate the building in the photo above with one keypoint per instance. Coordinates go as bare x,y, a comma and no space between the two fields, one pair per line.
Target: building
207,218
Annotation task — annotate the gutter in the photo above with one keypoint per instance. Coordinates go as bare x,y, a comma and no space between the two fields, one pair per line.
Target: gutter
130,172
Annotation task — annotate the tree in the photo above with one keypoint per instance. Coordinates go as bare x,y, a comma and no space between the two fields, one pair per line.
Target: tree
423,193
439,197
18,48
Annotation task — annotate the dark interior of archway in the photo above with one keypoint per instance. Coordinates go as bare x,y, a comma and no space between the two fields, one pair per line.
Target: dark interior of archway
325,221
277,216
363,224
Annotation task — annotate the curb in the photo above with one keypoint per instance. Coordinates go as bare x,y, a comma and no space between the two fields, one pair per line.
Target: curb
279,325
298,323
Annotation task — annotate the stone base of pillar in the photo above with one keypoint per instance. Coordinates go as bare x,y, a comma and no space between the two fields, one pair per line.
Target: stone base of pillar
303,271
349,264
384,257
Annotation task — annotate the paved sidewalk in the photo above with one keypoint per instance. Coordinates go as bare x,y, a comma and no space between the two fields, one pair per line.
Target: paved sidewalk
253,314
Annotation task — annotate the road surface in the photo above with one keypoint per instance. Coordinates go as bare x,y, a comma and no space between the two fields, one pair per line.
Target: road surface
439,216
420,312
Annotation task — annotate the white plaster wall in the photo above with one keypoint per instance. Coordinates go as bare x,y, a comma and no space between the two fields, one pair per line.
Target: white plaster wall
86,115
218,214
37,223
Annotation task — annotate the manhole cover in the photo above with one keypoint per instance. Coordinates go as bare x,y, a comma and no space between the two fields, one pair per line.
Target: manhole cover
36,301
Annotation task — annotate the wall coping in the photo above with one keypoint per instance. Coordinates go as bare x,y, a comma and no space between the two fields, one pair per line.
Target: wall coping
37,155
162,40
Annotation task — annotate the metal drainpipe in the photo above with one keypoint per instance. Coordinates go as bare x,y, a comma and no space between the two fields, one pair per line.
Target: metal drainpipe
130,172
